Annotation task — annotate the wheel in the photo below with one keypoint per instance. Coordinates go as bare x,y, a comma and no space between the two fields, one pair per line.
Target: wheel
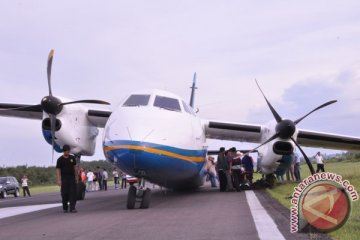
131,198
4,194
17,193
145,203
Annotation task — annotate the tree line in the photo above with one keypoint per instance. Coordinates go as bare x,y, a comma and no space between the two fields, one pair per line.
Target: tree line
46,175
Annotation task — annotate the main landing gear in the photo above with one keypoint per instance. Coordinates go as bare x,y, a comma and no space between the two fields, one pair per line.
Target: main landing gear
138,194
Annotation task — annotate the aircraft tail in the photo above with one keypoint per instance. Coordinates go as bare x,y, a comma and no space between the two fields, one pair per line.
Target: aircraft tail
193,88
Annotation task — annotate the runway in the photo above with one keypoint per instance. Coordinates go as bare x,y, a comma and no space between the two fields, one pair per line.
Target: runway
202,214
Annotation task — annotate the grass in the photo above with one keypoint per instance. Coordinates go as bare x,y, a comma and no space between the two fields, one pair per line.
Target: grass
52,188
349,171
44,189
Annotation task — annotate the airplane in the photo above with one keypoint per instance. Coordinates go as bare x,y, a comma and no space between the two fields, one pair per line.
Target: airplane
156,136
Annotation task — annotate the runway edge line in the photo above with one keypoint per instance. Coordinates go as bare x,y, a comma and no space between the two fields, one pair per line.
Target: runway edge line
265,225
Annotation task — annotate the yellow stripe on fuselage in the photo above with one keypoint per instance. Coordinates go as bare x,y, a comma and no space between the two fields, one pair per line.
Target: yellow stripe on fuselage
157,151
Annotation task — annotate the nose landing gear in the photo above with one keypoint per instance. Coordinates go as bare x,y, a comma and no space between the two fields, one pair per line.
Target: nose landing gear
138,194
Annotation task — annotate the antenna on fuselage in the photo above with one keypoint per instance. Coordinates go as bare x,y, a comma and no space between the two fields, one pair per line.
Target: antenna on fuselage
193,88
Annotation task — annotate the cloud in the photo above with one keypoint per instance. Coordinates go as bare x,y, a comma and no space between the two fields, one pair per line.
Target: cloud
107,50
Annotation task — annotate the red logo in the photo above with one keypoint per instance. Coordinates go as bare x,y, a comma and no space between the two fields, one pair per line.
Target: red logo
325,206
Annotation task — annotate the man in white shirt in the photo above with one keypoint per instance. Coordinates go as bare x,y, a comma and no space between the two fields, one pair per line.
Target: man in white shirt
25,186
116,178
90,180
320,162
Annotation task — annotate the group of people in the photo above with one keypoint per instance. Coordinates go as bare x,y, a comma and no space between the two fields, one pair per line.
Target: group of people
233,170
290,166
96,180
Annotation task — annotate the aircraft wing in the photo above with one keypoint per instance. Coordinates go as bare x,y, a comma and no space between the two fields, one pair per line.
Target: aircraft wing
253,133
310,138
96,117
34,112
232,131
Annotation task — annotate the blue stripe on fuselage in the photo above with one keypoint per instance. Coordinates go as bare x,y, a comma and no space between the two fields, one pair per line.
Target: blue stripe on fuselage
161,169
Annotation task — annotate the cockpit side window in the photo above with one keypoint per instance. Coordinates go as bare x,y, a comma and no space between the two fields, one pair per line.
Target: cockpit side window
137,100
188,108
171,104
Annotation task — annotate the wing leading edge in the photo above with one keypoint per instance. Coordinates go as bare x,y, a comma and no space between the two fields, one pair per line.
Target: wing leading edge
310,138
253,133
96,117
7,110
232,131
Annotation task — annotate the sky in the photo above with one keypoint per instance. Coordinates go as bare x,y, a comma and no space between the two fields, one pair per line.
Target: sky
302,53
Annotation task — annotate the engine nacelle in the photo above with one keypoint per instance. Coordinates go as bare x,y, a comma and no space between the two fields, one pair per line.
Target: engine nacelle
273,151
72,128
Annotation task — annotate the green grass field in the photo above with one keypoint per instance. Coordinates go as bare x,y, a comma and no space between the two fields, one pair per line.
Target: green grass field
53,188
44,189
349,171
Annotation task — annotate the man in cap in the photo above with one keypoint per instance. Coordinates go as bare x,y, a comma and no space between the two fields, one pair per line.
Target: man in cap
66,178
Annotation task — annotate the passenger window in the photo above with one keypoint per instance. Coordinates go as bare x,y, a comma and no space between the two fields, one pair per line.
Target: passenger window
137,100
167,103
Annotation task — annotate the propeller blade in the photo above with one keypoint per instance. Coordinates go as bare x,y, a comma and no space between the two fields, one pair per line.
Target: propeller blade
267,141
35,108
308,162
324,105
275,114
85,101
52,126
49,66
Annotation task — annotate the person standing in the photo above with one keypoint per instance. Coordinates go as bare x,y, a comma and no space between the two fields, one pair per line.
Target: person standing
320,162
25,186
297,168
123,180
116,178
210,171
95,180
290,169
105,177
90,180
222,166
236,171
99,177
66,178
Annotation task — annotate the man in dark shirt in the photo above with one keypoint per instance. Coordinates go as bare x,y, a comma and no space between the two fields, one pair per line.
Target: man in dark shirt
66,178
248,164
222,166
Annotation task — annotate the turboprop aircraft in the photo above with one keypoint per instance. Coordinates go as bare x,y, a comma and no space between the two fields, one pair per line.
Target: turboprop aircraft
156,136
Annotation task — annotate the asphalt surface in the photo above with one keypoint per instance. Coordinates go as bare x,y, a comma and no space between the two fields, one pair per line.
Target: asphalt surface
202,214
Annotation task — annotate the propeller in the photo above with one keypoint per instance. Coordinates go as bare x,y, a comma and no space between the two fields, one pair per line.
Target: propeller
286,128
53,105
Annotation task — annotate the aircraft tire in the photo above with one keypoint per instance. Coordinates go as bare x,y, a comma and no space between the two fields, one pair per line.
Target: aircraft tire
145,203
131,198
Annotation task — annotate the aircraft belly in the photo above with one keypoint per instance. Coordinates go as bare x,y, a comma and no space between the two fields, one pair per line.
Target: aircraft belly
164,166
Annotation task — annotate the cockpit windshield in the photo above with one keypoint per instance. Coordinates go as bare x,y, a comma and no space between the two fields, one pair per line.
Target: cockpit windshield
171,104
137,100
